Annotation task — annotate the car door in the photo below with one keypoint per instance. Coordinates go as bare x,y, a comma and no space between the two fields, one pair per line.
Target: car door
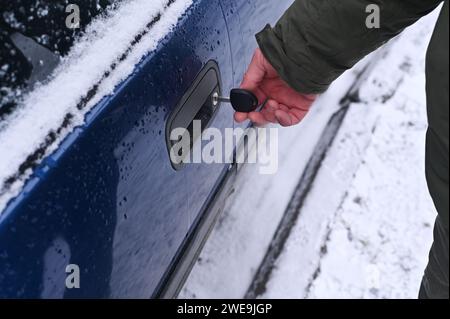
108,204
244,19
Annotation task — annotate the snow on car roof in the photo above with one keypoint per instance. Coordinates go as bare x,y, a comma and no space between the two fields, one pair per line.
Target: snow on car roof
96,64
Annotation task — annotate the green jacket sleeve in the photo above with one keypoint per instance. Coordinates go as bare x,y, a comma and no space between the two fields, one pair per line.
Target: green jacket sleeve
317,40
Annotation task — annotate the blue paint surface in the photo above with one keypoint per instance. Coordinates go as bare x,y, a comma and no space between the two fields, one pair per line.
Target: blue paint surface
108,199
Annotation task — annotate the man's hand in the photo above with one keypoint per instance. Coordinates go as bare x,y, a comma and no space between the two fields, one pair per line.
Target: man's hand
285,106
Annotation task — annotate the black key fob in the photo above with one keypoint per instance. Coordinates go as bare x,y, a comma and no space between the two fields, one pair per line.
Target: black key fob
243,100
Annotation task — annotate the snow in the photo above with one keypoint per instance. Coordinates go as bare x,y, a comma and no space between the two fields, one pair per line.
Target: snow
375,242
365,228
243,233
44,109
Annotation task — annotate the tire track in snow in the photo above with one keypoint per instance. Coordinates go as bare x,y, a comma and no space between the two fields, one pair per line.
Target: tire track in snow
263,274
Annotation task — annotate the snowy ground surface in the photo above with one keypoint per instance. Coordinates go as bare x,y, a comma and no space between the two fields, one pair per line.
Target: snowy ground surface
365,228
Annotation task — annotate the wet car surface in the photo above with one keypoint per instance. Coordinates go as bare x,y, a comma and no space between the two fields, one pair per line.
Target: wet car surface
108,199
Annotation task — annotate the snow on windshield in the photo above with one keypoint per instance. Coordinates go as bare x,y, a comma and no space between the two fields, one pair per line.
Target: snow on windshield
100,60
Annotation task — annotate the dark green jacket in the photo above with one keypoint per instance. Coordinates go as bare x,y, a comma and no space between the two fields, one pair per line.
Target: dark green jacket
317,40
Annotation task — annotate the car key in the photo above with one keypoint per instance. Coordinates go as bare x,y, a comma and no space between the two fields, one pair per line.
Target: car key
242,100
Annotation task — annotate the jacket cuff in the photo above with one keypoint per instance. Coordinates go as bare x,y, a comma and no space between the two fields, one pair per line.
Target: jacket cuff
291,72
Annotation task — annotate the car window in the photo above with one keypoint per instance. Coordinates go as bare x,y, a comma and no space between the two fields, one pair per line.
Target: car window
33,35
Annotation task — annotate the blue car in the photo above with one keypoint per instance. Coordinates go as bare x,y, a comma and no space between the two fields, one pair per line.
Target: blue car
99,197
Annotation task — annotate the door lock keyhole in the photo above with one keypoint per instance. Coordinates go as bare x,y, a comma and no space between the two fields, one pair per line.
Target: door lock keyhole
241,100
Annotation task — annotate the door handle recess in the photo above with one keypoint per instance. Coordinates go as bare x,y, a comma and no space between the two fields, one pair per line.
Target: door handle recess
196,104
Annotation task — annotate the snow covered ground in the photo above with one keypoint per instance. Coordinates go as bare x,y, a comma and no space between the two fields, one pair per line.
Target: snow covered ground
365,228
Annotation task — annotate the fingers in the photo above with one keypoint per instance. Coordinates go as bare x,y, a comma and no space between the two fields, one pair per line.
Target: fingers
269,111
274,112
283,118
257,118
285,106
297,115
289,116
263,117
240,117
285,95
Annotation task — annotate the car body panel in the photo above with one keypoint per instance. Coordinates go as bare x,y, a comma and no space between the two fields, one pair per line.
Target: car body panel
108,200
244,19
